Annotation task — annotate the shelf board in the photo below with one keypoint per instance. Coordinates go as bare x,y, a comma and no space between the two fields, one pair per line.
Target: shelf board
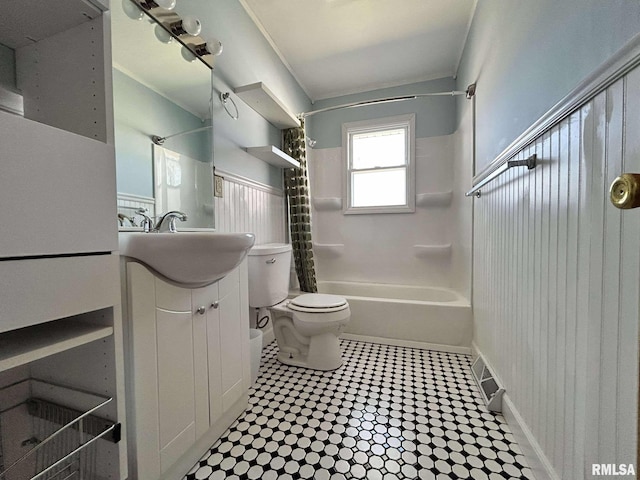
19,347
274,156
263,101
45,19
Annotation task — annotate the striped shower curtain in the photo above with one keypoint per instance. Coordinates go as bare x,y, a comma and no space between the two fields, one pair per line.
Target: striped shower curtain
297,189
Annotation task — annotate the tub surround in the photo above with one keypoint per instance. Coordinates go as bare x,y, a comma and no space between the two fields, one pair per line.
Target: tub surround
403,248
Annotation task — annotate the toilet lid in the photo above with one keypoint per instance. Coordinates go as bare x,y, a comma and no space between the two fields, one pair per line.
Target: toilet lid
318,302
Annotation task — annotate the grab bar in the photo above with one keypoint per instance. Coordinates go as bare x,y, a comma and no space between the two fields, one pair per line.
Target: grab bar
530,163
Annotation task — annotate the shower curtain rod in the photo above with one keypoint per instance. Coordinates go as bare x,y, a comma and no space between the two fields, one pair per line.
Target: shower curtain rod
469,93
160,140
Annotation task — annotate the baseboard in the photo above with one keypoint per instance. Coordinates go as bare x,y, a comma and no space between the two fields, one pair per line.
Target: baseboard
197,451
407,343
538,462
536,459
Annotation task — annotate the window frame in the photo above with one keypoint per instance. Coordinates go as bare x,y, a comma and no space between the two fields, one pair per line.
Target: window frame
379,124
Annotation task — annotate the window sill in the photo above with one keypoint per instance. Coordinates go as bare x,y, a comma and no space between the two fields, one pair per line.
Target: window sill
377,210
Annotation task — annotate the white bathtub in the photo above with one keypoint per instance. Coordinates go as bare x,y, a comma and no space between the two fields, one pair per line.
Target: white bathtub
424,317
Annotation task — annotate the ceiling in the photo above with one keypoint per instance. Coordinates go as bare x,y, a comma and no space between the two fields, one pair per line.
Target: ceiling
338,47
332,47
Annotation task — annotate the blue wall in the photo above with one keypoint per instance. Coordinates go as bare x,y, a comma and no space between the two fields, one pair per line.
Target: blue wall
434,115
140,113
527,55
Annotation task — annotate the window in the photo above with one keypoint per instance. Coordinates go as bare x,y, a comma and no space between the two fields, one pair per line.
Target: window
379,159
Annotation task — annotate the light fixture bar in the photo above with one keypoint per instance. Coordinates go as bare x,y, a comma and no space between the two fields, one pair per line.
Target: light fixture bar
169,20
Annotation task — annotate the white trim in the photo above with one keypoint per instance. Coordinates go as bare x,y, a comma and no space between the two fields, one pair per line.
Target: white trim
273,45
379,86
407,122
136,198
407,343
239,179
466,37
617,66
536,459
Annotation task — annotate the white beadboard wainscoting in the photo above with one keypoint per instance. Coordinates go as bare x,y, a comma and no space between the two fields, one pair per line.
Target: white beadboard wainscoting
248,206
556,287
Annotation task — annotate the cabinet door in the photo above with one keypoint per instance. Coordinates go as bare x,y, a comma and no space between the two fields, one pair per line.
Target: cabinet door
233,336
207,352
175,326
215,365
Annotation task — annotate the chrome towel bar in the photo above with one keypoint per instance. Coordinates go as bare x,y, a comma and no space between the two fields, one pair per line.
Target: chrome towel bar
530,163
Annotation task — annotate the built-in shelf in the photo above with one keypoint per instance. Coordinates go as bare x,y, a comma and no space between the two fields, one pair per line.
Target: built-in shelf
19,347
274,156
435,199
426,251
325,204
263,101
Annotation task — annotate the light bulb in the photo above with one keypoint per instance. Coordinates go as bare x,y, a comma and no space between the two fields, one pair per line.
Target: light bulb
214,46
191,25
166,4
187,54
132,10
162,34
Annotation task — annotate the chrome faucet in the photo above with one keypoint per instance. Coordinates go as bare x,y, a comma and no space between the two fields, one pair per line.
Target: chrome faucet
172,216
147,223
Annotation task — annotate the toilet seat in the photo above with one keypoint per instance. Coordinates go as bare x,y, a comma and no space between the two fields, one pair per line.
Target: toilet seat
318,303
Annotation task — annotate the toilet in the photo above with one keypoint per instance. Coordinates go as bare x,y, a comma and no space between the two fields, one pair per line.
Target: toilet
307,328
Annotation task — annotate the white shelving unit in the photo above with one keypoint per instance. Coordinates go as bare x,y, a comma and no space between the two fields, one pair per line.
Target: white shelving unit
263,101
274,156
29,344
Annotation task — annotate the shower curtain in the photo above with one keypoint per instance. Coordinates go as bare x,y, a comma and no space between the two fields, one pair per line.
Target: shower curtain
297,189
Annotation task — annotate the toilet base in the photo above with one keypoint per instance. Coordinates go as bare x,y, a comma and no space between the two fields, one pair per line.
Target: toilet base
323,354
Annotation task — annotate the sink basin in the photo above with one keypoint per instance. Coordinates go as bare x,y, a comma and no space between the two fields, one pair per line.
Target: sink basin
189,259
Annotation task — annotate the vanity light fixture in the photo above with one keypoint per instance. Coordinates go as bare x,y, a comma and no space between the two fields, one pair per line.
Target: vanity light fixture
189,25
186,31
162,35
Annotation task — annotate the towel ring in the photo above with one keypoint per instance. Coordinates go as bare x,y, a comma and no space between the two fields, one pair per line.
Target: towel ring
226,100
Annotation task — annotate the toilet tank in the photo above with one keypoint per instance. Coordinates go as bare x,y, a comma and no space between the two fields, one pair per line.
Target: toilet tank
269,266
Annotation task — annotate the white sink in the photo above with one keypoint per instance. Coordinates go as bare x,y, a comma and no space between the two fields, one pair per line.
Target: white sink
189,259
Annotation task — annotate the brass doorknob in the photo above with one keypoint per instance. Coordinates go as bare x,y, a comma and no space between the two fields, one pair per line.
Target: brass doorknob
625,191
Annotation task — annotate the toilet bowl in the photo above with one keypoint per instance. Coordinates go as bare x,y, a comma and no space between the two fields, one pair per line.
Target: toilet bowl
307,328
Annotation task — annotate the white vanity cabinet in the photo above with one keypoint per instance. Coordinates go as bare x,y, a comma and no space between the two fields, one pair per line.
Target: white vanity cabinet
187,359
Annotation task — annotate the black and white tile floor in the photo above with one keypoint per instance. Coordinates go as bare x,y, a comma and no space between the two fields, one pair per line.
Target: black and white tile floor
388,413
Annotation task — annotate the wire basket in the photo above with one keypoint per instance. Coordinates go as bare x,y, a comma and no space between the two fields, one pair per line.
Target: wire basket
62,443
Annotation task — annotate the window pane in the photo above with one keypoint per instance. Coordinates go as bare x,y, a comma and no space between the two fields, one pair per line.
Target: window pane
379,188
385,148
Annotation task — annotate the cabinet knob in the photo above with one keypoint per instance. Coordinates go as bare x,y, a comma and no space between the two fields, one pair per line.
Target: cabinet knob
201,310
215,305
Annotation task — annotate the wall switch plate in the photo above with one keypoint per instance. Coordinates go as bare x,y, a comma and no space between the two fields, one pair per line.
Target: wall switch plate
218,186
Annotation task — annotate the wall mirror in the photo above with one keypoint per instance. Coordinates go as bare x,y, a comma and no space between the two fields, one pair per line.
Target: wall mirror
159,89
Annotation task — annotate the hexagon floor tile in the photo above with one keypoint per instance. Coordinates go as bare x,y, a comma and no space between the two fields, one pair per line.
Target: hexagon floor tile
387,413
